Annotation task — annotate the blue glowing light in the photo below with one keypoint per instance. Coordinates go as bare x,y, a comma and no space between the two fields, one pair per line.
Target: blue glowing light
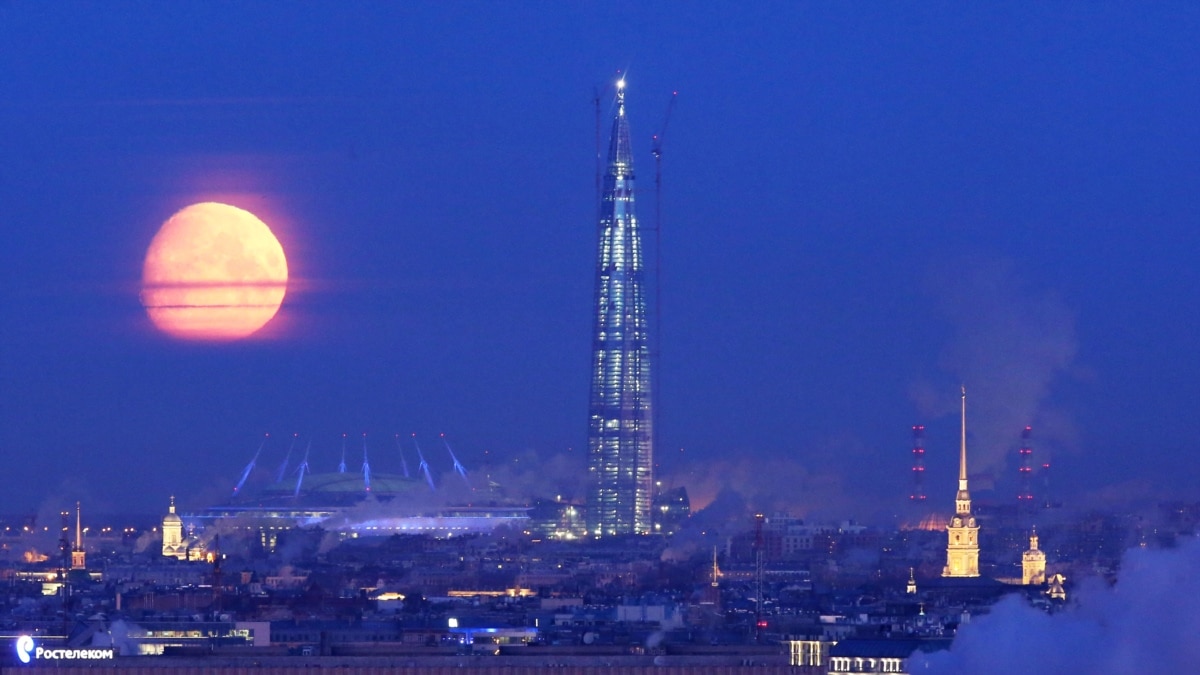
24,648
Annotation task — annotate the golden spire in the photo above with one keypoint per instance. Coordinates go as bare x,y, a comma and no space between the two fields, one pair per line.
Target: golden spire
962,459
78,556
962,501
962,545
1033,539
172,504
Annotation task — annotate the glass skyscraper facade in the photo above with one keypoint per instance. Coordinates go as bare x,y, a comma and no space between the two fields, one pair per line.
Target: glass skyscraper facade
620,442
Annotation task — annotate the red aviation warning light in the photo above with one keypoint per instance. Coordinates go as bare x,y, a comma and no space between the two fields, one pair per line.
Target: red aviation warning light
918,470
1025,471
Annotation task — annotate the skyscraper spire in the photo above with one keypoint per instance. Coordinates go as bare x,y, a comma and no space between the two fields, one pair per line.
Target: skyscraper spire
620,445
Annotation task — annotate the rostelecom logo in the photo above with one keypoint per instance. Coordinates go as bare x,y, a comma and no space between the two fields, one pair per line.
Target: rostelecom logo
25,648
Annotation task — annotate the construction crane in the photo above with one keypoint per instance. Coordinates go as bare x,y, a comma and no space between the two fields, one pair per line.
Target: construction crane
598,93
656,149
366,467
759,544
656,145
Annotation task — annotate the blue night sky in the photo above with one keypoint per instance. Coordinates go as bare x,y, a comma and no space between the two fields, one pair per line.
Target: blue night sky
865,205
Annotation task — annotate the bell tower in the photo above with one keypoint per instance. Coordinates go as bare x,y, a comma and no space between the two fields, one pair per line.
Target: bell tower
172,533
1033,563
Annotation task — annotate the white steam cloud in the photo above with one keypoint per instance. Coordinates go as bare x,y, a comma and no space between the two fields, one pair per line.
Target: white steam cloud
1010,344
1147,622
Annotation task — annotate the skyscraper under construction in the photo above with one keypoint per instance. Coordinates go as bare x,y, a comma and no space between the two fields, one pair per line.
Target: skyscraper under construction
620,441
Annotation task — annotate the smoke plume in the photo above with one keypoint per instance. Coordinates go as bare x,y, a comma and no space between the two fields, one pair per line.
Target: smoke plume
1010,343
1146,622
738,489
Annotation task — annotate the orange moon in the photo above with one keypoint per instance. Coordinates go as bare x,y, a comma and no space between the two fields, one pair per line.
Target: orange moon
213,272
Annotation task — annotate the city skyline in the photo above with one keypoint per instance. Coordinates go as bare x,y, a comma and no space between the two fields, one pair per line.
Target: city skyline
862,210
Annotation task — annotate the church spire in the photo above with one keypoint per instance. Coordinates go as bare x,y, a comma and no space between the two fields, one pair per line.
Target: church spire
962,459
962,547
963,499
78,555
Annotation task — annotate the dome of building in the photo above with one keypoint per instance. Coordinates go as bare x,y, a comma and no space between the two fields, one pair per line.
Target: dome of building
172,518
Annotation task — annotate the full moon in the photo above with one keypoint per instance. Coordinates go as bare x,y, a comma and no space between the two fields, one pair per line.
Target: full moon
213,272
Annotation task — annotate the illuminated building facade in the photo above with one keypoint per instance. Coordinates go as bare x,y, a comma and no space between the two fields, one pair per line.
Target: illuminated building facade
172,533
340,503
671,509
620,442
962,545
78,555
1057,587
1033,563
556,519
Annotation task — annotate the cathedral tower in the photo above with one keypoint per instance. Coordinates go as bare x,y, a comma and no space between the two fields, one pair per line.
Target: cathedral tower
172,531
962,546
1033,563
